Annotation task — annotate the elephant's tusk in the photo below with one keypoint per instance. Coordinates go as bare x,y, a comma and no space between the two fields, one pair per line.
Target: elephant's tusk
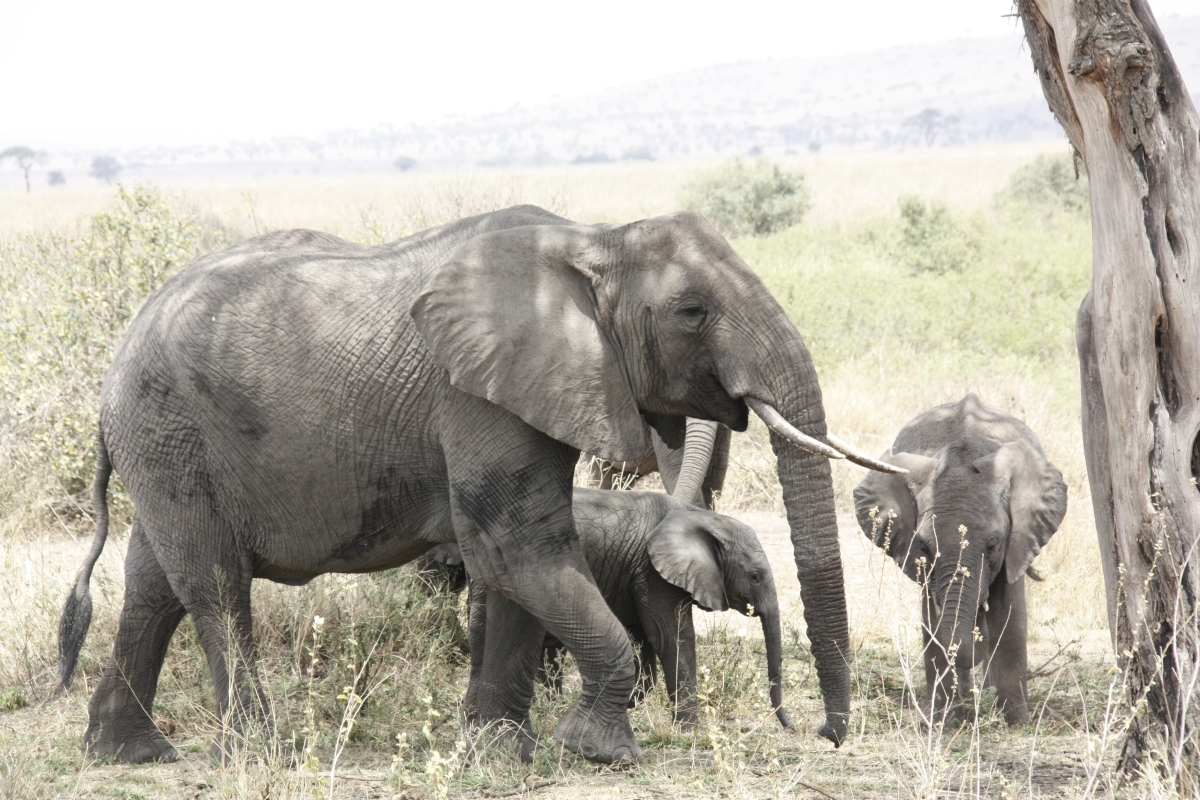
862,459
781,426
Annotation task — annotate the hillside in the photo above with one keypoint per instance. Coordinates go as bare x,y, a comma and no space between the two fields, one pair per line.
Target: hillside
968,91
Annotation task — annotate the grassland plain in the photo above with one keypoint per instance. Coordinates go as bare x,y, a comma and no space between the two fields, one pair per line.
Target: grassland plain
365,672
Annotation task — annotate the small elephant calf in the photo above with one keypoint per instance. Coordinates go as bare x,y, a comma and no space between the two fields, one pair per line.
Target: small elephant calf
979,502
652,557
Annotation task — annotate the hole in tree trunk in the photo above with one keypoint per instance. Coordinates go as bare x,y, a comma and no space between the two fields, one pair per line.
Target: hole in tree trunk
1166,375
1172,236
1196,460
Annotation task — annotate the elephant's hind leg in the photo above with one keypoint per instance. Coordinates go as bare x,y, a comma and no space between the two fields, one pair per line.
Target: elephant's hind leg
119,721
219,602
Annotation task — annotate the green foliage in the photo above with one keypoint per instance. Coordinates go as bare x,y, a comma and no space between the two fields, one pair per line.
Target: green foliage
932,241
856,295
12,698
1048,183
744,200
64,301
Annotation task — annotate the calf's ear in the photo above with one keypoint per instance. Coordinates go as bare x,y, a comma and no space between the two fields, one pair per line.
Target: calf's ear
685,553
888,510
513,317
1037,501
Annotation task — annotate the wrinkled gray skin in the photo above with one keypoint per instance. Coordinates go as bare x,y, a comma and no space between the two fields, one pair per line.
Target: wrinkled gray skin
975,467
297,404
653,556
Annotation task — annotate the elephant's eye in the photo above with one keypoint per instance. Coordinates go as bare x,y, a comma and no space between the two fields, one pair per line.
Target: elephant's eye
694,313
755,577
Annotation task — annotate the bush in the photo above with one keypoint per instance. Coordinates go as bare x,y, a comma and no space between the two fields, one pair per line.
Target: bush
1050,183
64,302
932,241
749,200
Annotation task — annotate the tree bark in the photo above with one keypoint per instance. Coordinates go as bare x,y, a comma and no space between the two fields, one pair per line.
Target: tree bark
1109,78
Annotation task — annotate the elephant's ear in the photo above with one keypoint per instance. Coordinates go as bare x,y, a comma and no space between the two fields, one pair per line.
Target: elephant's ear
887,510
513,316
684,552
1037,501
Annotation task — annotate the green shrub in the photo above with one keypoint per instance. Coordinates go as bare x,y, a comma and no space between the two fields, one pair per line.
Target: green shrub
932,241
1016,297
1048,183
64,302
745,200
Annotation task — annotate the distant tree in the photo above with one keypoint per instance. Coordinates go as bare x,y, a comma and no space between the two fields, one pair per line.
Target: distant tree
55,178
105,168
638,154
929,123
25,157
404,163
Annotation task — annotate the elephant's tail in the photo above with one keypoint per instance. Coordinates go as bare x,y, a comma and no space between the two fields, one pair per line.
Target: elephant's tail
77,613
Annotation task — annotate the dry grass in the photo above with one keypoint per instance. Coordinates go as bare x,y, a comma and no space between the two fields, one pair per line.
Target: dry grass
847,188
415,679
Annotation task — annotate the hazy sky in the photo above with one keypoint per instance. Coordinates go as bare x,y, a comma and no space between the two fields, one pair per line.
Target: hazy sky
87,74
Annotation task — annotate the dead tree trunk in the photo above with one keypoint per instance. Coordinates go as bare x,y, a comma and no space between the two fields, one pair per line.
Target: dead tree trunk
1111,82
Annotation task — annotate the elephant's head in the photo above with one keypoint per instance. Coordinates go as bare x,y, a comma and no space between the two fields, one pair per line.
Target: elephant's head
968,513
721,564
587,331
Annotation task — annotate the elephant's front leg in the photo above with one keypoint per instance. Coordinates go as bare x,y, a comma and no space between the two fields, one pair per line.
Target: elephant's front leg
647,663
666,616
1008,661
511,508
928,650
477,635
501,691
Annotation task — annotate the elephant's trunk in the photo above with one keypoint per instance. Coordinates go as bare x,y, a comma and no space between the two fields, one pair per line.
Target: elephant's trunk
774,641
807,484
697,453
953,629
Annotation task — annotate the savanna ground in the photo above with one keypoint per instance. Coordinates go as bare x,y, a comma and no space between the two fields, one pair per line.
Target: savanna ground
916,277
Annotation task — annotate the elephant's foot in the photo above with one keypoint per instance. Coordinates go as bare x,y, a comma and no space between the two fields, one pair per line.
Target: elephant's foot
246,738
607,739
134,747
527,741
835,728
1016,712
686,722
687,716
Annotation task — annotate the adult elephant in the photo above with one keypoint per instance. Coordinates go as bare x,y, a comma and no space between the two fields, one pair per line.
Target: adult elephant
979,503
297,404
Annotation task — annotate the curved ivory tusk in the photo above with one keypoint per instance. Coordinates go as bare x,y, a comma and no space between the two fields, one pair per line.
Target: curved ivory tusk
781,426
862,459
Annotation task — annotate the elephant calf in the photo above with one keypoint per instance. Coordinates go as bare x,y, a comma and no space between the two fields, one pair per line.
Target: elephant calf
653,557
979,502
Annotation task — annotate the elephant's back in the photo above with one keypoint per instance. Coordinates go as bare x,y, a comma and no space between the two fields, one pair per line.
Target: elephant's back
966,420
613,528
